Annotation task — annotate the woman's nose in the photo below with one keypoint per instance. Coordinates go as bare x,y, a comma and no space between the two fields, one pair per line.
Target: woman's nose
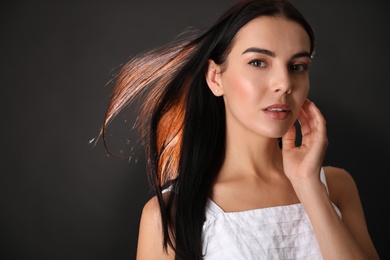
281,82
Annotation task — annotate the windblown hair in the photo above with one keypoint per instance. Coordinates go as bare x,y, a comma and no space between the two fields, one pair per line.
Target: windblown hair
182,122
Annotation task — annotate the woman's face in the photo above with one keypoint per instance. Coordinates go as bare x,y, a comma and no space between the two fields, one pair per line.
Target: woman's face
266,79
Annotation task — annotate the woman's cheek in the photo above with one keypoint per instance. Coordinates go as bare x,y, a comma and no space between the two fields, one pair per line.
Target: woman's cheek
242,86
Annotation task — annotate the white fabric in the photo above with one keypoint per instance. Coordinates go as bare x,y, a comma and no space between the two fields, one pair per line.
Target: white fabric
282,232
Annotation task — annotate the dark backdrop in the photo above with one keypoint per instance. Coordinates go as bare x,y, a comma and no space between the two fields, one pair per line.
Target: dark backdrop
62,198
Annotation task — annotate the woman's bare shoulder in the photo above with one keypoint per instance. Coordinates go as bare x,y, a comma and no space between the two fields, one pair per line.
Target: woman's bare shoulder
151,208
341,184
150,239
337,173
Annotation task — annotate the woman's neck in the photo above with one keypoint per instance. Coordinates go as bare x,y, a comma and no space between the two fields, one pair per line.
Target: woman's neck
252,156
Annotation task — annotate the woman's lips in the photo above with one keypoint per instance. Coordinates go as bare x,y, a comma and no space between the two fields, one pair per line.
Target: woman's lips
277,111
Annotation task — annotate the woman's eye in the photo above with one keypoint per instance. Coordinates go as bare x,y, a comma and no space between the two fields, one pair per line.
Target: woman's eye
257,63
299,67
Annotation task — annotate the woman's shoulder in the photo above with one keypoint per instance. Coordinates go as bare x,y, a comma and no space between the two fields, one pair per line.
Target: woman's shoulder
338,173
151,208
150,216
341,184
150,239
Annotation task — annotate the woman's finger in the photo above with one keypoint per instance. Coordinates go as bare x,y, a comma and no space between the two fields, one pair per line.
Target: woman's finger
317,119
288,140
317,133
304,122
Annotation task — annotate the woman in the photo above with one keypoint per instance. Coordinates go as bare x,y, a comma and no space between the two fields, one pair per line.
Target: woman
218,113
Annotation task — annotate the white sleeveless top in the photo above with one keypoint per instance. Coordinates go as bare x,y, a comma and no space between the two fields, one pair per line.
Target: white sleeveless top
282,232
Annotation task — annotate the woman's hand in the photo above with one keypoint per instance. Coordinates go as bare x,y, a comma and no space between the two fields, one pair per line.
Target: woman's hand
305,161
338,239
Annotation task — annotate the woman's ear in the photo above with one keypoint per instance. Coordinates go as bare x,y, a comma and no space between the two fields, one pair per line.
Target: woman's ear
213,78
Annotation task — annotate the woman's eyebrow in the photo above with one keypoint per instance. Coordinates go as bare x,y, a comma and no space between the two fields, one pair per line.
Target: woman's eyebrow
272,54
301,54
259,50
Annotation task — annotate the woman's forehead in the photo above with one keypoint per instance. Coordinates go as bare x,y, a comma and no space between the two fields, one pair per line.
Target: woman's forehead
272,32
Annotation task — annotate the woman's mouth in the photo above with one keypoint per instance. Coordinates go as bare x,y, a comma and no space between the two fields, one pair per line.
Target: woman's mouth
276,109
277,112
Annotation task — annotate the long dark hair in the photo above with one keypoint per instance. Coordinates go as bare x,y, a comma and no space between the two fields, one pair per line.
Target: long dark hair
182,122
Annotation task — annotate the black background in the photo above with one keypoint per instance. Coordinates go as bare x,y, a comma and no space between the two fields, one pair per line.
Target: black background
63,198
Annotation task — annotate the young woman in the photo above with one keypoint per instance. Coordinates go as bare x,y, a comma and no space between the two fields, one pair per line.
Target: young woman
218,113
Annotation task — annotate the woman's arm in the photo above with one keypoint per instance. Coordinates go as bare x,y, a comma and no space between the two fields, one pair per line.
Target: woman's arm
345,238
150,238
342,239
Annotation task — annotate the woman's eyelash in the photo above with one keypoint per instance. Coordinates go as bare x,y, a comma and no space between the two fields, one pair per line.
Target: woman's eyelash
301,67
257,63
298,67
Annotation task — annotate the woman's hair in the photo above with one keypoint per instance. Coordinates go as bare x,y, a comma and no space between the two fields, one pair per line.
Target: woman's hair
182,122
